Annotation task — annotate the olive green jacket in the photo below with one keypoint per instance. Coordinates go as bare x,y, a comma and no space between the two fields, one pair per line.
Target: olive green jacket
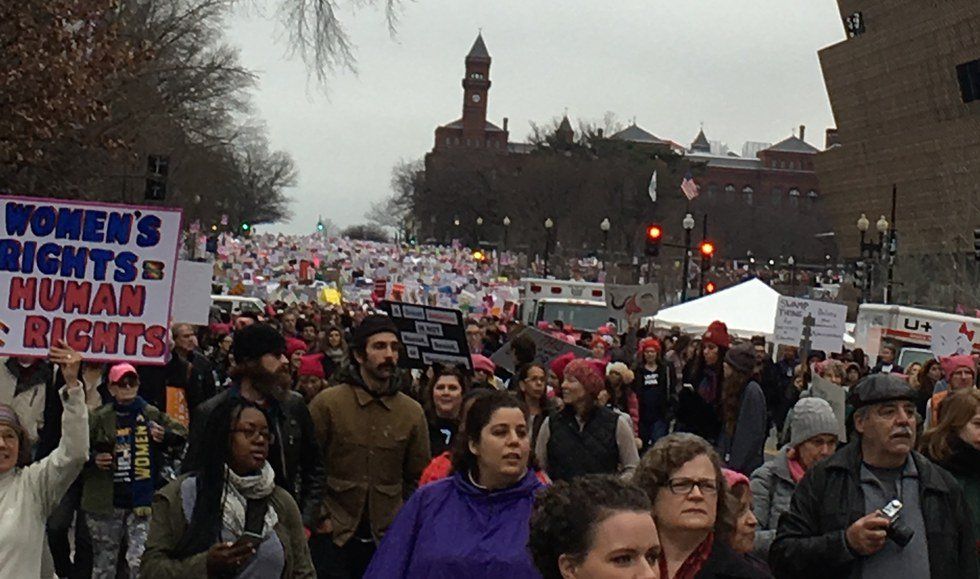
374,451
168,523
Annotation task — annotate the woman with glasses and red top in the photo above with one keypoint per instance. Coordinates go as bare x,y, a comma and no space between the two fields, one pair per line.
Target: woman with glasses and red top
682,475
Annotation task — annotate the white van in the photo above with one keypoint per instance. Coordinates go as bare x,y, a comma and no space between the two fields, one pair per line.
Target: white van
238,305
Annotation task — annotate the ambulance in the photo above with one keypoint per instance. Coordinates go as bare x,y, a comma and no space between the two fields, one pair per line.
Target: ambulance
580,304
910,329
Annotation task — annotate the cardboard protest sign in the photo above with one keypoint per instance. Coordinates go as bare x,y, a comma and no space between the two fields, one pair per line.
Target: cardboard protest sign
810,325
548,348
430,335
192,293
836,397
99,276
951,339
631,302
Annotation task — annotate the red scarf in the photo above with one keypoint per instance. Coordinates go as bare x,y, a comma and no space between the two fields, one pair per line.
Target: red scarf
694,562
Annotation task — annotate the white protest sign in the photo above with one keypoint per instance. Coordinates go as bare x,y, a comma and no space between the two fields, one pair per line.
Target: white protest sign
192,293
809,324
951,339
631,302
99,276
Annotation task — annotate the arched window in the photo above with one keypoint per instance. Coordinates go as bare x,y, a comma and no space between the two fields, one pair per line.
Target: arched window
812,194
794,192
729,188
712,190
777,194
748,191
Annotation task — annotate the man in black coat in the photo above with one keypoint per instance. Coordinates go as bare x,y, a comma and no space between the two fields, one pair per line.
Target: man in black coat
261,376
837,524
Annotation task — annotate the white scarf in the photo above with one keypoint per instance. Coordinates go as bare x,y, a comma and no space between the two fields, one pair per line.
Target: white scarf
238,489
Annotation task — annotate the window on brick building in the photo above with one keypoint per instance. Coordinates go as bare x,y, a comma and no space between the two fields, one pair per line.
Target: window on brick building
812,194
777,194
712,190
794,192
729,188
969,76
748,191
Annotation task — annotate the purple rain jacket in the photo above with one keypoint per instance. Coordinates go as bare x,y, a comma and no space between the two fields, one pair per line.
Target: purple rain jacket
452,528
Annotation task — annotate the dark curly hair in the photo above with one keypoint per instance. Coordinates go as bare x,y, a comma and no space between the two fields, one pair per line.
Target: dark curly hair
479,415
566,515
667,456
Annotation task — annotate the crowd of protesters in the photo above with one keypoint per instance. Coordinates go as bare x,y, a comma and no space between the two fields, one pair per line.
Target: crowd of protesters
294,444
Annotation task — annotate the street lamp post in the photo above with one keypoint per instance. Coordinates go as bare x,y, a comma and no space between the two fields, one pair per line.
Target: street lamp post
548,224
871,250
792,275
688,224
506,230
605,226
479,230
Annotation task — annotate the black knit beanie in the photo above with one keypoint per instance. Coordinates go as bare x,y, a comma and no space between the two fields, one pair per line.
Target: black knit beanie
255,341
374,324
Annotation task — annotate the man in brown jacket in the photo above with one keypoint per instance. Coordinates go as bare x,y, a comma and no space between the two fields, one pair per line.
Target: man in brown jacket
375,444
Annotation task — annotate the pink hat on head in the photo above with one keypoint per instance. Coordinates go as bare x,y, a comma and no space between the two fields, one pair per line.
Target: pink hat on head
482,363
733,478
588,373
951,364
117,372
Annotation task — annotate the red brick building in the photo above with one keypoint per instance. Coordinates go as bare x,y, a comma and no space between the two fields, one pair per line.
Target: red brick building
767,202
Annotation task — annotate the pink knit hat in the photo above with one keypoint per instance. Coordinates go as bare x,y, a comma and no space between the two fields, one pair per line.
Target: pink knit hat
733,478
951,364
588,373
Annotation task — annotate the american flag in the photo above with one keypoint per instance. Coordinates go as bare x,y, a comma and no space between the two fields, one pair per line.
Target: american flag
689,187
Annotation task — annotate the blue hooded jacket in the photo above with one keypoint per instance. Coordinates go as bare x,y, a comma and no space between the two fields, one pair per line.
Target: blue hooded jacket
452,528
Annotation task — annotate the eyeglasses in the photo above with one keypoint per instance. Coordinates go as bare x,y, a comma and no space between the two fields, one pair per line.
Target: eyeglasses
684,486
251,434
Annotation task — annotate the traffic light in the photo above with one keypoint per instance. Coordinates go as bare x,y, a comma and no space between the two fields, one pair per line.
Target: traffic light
707,250
246,227
157,167
859,274
976,244
709,287
654,237
319,226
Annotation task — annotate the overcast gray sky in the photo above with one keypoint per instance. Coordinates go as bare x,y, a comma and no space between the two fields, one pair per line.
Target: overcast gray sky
747,69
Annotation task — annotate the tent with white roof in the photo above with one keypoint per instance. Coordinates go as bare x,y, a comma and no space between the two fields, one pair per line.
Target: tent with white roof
748,309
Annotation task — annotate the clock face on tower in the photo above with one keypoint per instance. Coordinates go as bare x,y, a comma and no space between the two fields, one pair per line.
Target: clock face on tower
475,98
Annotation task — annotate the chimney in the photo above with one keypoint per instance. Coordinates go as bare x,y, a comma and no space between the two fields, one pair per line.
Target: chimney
505,124
832,138
802,132
600,133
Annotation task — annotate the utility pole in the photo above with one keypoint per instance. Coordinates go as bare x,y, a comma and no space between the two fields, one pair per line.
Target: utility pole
892,247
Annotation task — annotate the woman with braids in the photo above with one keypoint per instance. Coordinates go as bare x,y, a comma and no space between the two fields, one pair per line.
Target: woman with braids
594,527
228,519
474,523
743,412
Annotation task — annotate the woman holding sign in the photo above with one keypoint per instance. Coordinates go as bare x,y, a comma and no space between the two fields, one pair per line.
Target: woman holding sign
29,493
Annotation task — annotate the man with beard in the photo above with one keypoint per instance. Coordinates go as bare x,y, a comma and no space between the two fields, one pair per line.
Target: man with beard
375,443
261,375
838,524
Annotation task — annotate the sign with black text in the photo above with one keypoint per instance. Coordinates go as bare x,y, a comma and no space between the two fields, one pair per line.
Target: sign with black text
548,348
430,335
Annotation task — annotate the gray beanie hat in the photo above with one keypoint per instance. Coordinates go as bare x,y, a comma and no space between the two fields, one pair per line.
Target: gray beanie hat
812,417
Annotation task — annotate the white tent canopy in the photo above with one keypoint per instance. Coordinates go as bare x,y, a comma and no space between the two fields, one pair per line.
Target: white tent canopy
748,309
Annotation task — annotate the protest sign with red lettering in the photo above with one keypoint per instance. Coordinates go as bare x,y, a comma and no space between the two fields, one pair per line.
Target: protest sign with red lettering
99,276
